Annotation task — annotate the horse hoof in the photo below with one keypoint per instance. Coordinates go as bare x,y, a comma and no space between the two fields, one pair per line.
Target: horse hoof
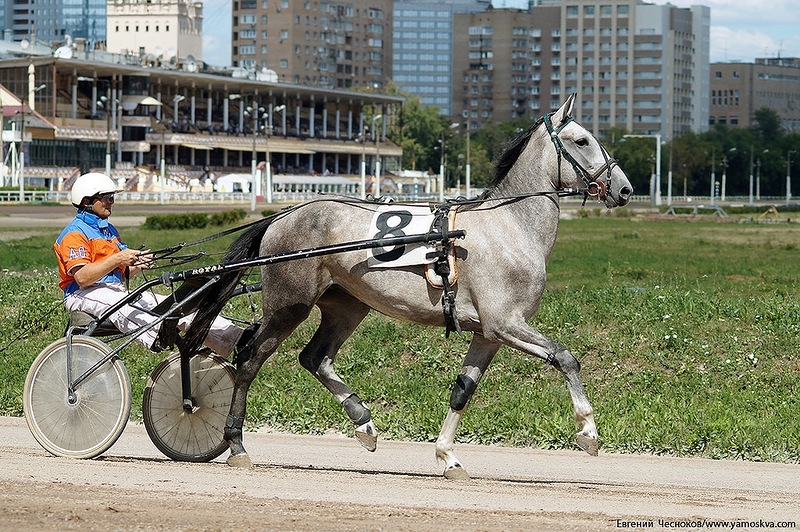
587,444
366,436
456,473
241,461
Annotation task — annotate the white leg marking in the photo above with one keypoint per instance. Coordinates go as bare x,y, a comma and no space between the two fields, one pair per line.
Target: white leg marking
453,470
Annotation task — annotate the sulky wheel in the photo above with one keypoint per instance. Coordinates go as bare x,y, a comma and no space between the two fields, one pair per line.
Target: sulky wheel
87,422
196,434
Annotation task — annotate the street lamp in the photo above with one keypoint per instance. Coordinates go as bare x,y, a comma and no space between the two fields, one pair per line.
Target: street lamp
31,95
713,170
725,173
758,176
441,164
377,135
364,162
467,175
656,196
257,113
269,161
789,175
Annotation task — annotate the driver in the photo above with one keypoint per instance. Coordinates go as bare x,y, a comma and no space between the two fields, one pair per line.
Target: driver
93,263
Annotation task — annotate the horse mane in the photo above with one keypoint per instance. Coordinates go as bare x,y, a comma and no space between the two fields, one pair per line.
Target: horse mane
511,153
214,299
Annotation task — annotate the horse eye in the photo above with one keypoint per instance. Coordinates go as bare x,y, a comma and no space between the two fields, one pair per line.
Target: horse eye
582,142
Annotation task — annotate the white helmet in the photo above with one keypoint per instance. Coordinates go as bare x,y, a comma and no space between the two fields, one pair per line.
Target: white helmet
91,184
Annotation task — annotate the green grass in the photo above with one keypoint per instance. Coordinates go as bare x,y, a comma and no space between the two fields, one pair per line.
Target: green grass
688,334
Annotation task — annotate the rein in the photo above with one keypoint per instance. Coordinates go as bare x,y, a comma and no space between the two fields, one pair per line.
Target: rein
170,252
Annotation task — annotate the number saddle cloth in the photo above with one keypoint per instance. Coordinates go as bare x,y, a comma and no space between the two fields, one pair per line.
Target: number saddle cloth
402,220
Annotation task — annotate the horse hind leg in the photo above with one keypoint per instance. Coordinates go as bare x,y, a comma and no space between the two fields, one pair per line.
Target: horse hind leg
341,313
273,331
568,365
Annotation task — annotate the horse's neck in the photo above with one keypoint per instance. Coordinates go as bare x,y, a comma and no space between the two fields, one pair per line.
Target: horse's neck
538,206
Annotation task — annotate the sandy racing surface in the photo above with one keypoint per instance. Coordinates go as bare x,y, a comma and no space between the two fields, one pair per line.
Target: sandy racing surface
330,483
303,483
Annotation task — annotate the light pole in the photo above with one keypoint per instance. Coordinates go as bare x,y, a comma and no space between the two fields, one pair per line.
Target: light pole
725,173
269,161
789,175
669,176
31,95
364,162
758,176
257,112
376,132
656,197
750,202
724,176
468,173
442,163
713,170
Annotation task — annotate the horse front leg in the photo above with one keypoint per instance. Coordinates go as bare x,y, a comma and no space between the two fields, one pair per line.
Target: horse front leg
528,340
569,366
479,356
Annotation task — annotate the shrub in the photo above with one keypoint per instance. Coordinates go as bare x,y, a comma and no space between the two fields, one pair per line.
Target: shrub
193,220
228,217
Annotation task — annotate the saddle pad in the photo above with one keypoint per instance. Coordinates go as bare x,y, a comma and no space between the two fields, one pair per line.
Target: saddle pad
394,220
401,220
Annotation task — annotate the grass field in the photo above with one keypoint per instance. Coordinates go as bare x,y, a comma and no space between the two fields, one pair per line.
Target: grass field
689,336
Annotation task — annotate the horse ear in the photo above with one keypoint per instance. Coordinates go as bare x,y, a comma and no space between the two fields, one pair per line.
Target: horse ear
565,111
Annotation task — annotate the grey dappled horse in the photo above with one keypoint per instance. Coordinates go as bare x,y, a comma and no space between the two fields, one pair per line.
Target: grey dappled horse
510,233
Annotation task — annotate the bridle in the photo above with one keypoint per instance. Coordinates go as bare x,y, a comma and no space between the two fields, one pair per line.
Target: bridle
595,188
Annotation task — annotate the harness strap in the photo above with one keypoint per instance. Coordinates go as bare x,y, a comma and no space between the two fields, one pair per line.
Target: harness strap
441,267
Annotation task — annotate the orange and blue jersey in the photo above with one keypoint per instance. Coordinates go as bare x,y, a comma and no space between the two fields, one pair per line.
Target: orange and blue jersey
86,239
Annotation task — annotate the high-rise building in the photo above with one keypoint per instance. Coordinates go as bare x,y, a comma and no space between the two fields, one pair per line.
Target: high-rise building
738,90
327,44
633,65
53,20
165,29
423,48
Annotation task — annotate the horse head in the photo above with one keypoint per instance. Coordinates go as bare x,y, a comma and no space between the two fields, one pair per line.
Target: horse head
593,171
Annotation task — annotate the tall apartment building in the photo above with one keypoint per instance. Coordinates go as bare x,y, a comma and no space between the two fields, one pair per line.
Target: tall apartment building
738,90
317,43
165,29
423,55
51,21
634,65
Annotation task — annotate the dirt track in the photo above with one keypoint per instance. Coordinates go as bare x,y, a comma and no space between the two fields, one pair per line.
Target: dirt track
330,483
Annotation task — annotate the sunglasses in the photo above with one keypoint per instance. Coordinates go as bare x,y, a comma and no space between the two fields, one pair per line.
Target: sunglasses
109,198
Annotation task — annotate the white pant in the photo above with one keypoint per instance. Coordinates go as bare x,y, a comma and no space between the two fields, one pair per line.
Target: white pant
99,297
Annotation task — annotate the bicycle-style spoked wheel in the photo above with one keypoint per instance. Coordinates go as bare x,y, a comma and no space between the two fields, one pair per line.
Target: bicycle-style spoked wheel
86,423
196,435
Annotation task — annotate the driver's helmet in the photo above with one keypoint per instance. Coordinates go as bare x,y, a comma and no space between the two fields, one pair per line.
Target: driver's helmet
91,184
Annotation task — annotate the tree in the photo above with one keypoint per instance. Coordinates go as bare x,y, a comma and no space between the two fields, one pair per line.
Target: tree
766,125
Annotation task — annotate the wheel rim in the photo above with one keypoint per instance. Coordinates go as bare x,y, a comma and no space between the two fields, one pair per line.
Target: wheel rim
195,436
87,423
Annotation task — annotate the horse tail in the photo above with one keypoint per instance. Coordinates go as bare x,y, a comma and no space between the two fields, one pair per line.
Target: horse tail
214,299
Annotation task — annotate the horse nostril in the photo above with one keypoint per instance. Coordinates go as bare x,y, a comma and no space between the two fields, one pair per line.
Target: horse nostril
625,193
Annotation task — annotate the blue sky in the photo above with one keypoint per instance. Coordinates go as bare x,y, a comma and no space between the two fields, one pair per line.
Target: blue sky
741,30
